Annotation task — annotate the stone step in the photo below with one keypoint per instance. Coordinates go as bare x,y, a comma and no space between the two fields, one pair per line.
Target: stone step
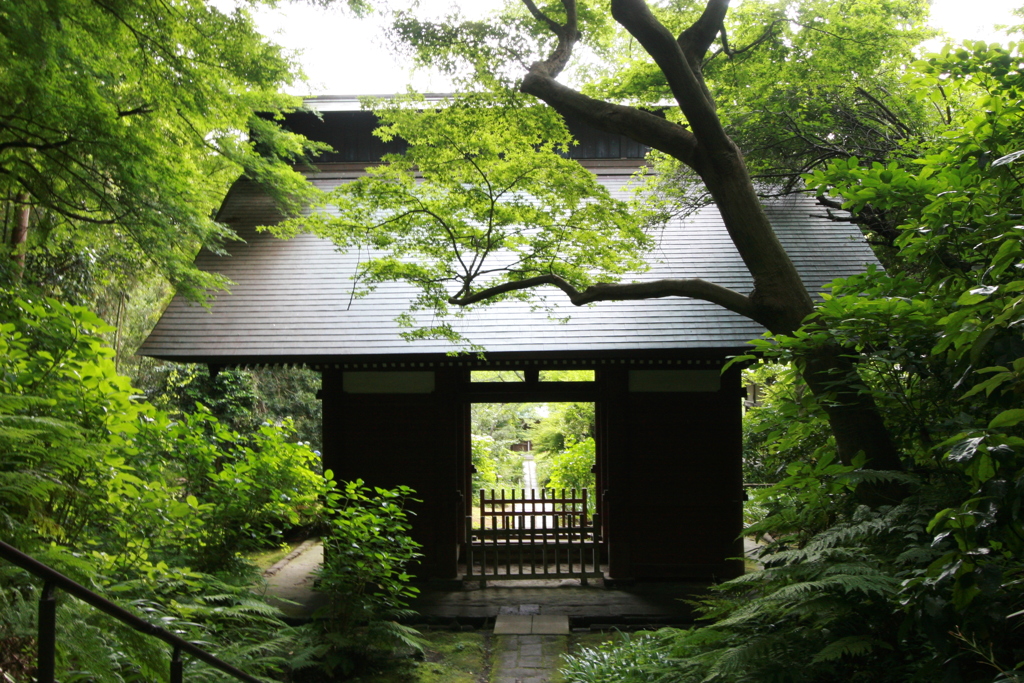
531,624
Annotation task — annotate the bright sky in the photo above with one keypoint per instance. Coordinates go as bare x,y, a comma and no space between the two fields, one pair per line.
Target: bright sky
345,56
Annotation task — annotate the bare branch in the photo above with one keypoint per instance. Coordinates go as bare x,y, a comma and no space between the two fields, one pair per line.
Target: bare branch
888,113
142,109
555,27
36,146
732,52
693,288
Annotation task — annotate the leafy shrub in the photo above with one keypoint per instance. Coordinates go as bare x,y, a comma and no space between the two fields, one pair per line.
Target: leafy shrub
124,499
641,658
366,551
230,396
496,427
787,425
86,465
236,494
242,400
573,469
565,424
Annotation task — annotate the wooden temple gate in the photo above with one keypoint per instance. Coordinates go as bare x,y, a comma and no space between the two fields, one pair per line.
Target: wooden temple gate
546,536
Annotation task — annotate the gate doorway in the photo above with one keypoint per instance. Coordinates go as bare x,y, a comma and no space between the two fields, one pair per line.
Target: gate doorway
532,509
543,534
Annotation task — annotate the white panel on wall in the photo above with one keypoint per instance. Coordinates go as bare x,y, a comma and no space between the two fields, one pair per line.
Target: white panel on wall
674,380
388,382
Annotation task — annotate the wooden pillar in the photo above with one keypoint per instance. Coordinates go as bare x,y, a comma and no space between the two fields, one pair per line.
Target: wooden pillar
614,433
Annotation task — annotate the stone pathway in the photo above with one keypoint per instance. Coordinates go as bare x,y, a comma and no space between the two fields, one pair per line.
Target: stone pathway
527,659
528,645
290,581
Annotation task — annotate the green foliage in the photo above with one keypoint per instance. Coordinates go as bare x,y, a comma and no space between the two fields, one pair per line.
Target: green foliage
242,399
291,393
138,506
564,423
230,396
785,427
800,82
237,494
122,123
928,589
496,427
572,468
562,441
642,658
226,618
364,579
86,464
459,214
491,53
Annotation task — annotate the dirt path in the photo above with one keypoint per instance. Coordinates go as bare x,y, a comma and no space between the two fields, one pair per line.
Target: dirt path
290,581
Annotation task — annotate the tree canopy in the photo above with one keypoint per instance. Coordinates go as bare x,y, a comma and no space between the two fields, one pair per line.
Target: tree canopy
687,56
122,122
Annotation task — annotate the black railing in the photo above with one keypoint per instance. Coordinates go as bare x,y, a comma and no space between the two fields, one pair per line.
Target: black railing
47,640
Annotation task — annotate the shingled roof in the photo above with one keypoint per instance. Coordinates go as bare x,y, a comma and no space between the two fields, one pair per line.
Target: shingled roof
292,299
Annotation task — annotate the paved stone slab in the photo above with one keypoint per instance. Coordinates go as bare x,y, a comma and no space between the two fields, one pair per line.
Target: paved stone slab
519,609
290,587
527,659
550,624
654,600
537,625
513,624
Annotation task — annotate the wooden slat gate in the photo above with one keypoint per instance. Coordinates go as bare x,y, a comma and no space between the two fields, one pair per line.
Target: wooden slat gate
549,536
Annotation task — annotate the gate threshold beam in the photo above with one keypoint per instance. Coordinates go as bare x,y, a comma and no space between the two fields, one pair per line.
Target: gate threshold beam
537,624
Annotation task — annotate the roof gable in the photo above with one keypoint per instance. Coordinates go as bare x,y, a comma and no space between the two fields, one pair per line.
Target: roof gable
292,299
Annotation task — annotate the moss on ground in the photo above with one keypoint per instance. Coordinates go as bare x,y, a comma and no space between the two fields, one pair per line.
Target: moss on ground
450,657
266,559
468,657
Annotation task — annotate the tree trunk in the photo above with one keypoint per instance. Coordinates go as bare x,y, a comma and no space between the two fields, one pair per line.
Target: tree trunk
19,236
779,300
831,374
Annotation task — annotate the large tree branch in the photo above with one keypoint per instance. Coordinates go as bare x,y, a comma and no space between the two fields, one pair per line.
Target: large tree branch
696,40
36,146
682,74
567,35
642,126
693,288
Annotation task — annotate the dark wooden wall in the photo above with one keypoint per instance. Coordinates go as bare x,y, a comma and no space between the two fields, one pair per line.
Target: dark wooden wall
350,134
673,481
410,439
670,468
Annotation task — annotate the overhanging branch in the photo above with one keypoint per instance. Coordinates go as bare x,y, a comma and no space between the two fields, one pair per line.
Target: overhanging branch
679,61
697,39
693,288
641,126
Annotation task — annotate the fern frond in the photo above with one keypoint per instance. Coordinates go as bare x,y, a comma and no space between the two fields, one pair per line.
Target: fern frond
879,585
748,656
850,646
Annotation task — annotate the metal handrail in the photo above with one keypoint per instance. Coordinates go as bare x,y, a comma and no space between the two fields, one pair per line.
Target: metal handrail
47,621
